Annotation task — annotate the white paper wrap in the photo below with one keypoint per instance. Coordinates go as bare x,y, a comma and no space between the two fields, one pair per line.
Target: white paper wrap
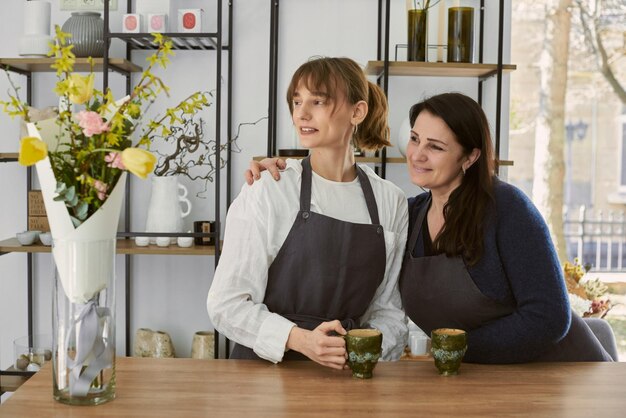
83,264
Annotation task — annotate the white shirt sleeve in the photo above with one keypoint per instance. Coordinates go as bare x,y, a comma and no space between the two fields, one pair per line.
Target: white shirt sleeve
235,299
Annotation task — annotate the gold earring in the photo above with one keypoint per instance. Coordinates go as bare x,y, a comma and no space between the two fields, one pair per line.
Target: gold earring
356,129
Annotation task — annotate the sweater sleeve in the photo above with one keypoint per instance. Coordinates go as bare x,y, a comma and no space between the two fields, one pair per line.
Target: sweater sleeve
535,279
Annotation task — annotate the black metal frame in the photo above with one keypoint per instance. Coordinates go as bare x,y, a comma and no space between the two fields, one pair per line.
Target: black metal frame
208,41
382,54
29,256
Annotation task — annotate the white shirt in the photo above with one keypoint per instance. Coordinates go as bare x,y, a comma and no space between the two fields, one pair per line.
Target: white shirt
257,224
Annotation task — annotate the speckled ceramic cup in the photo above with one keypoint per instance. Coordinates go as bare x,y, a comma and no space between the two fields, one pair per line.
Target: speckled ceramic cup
448,346
364,347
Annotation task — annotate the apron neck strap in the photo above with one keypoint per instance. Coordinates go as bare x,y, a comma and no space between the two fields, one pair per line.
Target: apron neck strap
417,226
305,190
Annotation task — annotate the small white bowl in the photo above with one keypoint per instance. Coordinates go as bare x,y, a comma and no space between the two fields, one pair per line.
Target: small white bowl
45,238
163,241
27,237
142,241
185,242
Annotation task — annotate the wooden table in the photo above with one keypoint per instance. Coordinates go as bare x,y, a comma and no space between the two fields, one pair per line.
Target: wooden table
235,388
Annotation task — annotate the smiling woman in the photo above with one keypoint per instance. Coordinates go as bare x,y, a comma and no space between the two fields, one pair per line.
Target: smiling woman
336,266
480,256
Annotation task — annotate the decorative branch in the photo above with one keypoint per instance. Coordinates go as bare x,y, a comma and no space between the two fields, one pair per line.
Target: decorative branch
193,156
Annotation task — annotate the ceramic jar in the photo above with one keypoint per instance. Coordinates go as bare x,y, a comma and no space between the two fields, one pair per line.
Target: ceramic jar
203,345
150,343
87,29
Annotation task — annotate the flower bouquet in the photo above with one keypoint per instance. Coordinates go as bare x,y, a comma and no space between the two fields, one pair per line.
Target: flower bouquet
82,158
587,297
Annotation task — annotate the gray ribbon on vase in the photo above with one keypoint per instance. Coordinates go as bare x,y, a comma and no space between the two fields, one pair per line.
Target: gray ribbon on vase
89,343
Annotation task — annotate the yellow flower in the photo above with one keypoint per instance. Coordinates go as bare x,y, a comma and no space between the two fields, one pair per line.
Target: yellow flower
139,162
32,150
81,88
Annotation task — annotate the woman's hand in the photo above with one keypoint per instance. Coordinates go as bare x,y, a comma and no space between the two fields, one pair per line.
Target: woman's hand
270,164
320,347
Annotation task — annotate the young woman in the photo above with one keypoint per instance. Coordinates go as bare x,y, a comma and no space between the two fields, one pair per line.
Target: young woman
479,255
319,252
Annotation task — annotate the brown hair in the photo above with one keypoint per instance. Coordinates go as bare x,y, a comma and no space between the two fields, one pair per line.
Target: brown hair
467,206
335,75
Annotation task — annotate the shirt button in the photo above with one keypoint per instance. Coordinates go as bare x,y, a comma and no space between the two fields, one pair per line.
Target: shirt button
305,215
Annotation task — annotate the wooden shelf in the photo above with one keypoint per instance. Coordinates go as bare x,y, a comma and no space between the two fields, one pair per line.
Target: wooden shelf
8,156
11,383
358,159
435,69
30,65
124,246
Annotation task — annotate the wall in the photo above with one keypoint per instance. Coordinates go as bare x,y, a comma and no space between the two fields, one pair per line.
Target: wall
168,292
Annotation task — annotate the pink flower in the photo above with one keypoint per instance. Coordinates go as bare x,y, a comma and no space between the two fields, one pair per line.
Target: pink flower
115,160
91,122
101,188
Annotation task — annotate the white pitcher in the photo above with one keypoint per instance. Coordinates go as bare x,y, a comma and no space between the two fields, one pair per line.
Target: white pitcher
164,212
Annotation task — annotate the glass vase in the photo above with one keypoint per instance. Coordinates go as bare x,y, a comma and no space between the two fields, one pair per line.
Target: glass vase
417,25
83,321
460,34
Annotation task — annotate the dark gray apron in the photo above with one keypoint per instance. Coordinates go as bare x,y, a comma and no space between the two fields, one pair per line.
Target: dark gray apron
326,269
438,292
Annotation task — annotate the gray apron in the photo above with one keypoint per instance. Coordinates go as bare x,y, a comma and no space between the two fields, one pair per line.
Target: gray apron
438,292
326,269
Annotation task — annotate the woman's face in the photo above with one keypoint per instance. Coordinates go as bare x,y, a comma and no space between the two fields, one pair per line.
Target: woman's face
320,121
434,156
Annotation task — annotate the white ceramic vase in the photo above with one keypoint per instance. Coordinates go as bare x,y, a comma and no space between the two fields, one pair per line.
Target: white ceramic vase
164,211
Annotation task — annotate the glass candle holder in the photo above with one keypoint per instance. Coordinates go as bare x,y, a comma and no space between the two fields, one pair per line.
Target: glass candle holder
417,29
460,34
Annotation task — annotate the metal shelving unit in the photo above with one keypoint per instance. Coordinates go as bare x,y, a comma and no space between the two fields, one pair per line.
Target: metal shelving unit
207,41
383,68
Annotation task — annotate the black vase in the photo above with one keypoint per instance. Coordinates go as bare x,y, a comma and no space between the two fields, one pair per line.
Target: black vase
417,35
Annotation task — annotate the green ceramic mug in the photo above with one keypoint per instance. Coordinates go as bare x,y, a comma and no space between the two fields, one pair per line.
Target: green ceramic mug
364,347
448,346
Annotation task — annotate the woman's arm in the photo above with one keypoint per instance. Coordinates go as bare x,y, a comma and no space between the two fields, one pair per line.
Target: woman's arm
525,251
235,298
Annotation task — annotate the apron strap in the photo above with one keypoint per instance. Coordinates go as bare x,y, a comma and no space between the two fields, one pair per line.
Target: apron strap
305,185
305,190
418,226
369,195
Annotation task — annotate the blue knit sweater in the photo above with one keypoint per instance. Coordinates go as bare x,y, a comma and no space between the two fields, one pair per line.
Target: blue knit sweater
519,265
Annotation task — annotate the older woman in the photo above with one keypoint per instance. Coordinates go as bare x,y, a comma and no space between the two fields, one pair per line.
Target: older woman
479,255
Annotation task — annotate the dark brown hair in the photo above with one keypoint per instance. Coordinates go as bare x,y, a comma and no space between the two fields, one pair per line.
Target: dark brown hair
467,206
336,75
